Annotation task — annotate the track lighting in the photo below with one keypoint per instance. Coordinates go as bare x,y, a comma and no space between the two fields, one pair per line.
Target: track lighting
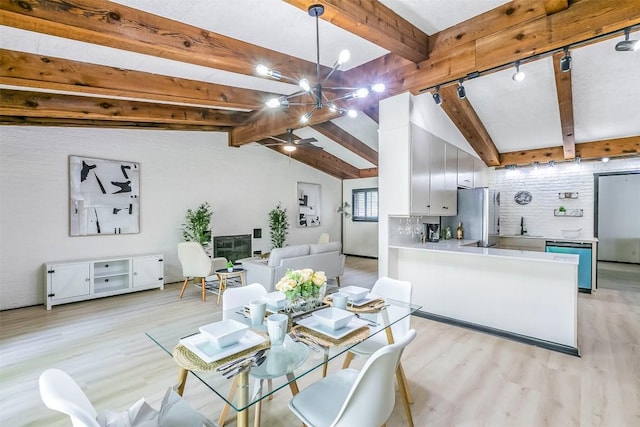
462,94
436,96
627,45
565,61
576,162
551,163
605,160
518,76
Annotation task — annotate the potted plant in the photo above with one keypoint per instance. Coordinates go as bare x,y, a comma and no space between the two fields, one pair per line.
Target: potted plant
278,226
230,266
197,225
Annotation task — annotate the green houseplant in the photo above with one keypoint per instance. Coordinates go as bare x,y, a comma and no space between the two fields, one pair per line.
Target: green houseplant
278,226
197,225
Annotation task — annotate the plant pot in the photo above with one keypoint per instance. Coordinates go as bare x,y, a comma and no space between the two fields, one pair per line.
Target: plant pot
230,269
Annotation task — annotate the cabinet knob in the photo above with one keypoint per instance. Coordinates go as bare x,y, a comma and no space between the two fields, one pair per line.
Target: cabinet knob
106,266
428,206
445,207
86,279
135,273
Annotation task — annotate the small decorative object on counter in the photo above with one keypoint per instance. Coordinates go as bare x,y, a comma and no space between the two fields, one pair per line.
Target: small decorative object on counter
447,233
230,266
459,231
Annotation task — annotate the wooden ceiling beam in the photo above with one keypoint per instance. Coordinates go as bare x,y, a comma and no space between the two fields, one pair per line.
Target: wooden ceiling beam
565,103
17,103
369,173
348,141
468,123
115,124
618,147
111,24
46,72
375,22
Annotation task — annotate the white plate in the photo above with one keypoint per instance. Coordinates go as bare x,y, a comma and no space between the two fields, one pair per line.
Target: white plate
364,301
209,352
311,323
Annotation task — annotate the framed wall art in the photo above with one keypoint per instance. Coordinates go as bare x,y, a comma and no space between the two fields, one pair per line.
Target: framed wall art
308,205
104,196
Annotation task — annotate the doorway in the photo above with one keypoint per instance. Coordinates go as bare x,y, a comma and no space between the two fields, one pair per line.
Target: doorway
617,228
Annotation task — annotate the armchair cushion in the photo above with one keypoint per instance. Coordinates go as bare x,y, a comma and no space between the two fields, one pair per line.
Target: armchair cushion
278,254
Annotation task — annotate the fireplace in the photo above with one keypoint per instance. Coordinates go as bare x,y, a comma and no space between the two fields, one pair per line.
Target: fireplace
232,248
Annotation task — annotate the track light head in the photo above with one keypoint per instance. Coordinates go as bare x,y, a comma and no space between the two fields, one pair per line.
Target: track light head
565,61
462,93
627,45
436,96
518,76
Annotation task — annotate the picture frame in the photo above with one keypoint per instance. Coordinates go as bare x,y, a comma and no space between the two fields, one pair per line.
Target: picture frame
104,197
308,195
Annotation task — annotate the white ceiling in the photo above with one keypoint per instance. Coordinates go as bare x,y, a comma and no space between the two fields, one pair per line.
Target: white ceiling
517,115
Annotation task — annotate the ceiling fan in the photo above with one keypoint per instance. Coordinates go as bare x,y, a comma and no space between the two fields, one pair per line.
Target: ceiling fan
290,143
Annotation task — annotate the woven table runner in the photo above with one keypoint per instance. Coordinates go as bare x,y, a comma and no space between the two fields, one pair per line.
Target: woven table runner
186,359
354,337
374,306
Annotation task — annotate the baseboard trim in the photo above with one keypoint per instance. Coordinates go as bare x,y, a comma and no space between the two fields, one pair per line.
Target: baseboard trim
361,256
572,351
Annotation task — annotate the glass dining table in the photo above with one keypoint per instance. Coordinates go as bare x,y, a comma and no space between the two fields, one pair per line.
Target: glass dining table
308,347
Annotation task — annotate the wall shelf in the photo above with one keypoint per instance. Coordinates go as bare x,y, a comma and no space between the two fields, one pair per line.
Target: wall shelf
571,212
567,195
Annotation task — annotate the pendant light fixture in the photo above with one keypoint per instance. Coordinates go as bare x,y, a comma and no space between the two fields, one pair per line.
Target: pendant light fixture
627,45
518,76
316,91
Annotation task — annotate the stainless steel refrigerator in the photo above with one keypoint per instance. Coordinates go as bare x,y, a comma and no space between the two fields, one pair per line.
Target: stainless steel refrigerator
479,213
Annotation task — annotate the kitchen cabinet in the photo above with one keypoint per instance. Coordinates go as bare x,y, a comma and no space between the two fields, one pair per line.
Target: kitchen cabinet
465,169
434,166
522,243
480,171
78,280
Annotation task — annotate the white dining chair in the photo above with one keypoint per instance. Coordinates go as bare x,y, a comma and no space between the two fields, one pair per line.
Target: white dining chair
385,287
61,393
196,263
239,297
353,398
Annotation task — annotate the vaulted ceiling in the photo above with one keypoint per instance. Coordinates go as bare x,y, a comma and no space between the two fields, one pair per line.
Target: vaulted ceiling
191,65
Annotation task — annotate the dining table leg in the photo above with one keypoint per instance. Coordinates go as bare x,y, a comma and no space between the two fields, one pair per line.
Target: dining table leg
182,380
243,399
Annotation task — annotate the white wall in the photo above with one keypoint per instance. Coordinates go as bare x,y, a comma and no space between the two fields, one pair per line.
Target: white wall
619,218
360,238
179,170
544,186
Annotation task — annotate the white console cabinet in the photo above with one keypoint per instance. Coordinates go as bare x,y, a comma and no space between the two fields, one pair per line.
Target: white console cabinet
78,280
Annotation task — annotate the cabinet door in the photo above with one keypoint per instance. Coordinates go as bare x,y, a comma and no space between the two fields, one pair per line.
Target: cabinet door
68,280
479,173
420,180
148,271
450,194
437,168
465,169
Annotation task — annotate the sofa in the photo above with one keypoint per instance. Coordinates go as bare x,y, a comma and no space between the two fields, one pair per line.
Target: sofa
325,257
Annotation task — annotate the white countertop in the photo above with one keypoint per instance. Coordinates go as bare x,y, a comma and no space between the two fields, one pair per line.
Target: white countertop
458,246
553,238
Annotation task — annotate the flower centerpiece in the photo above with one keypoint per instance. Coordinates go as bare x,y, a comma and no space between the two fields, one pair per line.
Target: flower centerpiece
303,288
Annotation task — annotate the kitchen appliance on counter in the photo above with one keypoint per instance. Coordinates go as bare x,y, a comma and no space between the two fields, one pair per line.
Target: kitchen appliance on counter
584,252
433,232
479,212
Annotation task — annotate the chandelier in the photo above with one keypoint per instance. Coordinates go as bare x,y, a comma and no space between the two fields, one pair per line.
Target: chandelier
316,91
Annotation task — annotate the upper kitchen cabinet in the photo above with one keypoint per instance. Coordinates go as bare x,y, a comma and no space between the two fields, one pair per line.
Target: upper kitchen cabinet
465,169
434,175
480,173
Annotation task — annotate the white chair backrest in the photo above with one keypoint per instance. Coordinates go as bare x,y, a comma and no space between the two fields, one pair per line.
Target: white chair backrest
195,261
219,263
372,397
61,393
324,238
235,297
399,290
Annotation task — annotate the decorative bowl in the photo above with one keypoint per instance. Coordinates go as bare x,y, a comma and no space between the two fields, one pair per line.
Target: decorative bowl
570,234
224,333
356,293
333,318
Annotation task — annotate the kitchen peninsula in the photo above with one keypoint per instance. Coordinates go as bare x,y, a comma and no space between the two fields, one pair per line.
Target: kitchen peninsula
528,296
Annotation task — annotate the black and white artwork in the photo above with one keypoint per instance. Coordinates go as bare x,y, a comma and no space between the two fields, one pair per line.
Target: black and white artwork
104,196
308,205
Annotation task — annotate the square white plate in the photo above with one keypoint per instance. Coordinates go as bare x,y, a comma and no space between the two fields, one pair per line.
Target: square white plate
206,350
364,301
311,323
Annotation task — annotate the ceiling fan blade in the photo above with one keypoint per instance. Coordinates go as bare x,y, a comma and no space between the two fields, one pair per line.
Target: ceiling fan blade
304,141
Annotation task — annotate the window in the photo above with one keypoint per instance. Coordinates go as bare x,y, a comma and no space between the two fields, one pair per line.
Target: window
365,204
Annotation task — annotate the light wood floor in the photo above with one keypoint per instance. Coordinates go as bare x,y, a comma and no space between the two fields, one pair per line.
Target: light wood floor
458,377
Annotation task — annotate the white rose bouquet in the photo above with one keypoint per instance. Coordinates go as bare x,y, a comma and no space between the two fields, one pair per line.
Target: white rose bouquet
301,283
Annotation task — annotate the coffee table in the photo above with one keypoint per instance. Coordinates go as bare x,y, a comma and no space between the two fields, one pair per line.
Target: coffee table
224,275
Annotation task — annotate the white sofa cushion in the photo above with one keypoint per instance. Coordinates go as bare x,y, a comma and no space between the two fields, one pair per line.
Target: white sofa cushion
319,248
278,254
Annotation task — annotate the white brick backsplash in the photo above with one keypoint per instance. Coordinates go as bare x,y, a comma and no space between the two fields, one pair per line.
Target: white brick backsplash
544,185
